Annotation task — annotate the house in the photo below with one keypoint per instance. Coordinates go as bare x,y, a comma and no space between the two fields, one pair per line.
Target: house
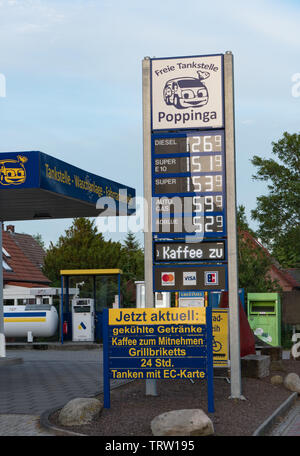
295,274
288,279
22,260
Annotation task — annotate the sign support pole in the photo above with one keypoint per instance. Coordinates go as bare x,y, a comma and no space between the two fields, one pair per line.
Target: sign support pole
2,336
106,380
119,290
210,368
233,298
62,309
151,389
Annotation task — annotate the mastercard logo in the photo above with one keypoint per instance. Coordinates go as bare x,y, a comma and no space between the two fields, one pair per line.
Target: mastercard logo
168,278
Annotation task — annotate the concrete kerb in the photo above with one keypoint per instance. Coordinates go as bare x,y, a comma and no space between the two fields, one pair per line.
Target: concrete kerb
279,412
45,422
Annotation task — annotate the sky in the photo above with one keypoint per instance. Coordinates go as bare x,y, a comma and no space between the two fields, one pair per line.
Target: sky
73,77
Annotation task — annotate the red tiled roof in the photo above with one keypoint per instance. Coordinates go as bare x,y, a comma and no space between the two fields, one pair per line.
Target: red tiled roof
30,247
289,278
23,269
284,274
295,273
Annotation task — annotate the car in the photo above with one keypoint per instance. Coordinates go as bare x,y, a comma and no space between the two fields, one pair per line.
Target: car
13,171
185,92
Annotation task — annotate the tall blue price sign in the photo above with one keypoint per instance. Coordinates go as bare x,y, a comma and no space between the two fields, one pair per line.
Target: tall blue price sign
151,344
189,182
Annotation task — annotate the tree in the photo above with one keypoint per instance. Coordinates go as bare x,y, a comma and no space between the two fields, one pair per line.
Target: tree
38,238
253,261
132,265
286,249
242,222
132,258
82,247
278,213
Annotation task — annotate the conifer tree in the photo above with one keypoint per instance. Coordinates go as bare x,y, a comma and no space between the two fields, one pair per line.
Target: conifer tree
81,247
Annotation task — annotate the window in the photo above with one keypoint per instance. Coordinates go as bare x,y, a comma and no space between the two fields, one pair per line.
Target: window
5,252
6,266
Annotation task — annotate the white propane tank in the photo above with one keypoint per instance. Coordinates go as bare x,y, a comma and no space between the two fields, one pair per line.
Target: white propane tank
40,320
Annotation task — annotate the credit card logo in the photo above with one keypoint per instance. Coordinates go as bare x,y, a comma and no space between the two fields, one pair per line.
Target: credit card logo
168,279
211,278
190,278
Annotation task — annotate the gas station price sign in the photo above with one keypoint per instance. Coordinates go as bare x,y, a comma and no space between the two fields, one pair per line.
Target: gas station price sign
205,225
188,183
188,142
151,343
188,204
188,163
192,164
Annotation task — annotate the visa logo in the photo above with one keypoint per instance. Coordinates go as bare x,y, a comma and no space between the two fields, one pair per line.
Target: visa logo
189,278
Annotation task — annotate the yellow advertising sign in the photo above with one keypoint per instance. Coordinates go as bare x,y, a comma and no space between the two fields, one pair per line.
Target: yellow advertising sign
137,320
153,316
220,337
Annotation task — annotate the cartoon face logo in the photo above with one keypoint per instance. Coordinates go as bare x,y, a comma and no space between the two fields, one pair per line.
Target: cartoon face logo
186,92
13,172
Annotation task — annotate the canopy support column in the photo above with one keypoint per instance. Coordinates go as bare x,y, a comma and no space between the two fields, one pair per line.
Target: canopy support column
2,336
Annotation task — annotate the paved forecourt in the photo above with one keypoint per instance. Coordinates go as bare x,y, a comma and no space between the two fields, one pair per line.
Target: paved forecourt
48,378
45,379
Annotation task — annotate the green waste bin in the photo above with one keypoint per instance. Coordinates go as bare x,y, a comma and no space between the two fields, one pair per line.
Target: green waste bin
264,316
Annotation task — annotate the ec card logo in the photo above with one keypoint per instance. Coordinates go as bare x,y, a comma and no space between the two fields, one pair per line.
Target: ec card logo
211,278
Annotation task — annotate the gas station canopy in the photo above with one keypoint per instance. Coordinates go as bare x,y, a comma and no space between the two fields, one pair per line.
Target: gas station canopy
90,272
37,186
